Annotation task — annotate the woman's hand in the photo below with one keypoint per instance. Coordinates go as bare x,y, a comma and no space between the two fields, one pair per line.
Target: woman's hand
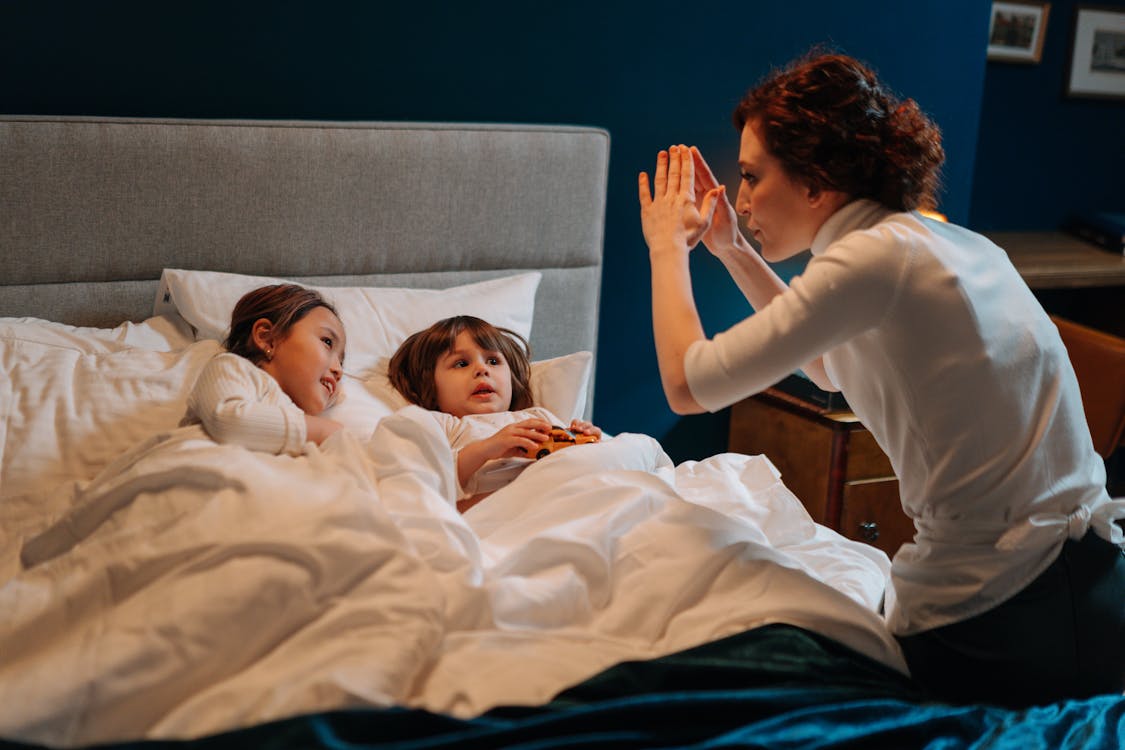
723,235
672,217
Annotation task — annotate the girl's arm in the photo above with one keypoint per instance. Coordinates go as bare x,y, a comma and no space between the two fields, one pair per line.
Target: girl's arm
231,400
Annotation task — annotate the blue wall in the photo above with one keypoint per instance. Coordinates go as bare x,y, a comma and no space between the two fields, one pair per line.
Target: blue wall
652,74
1043,155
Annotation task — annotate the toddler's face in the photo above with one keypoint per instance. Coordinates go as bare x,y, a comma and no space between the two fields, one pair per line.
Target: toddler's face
472,380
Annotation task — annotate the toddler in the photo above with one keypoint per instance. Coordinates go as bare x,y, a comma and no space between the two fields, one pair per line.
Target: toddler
477,378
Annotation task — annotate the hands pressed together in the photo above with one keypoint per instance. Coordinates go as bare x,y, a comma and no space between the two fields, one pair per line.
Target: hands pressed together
686,205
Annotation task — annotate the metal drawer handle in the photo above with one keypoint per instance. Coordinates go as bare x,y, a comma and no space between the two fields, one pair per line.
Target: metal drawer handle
869,530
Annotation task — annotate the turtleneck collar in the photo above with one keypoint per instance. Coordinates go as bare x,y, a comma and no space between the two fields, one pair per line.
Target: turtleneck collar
859,214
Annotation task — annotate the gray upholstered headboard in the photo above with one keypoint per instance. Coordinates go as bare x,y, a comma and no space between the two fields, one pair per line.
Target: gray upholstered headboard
92,209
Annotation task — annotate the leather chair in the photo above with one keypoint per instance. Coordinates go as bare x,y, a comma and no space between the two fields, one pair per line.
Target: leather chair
1099,362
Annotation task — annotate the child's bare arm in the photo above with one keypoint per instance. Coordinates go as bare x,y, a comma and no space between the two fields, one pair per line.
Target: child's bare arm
521,438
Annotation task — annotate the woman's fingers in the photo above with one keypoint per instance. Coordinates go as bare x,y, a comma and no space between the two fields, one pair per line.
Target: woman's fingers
710,201
703,173
675,163
661,179
687,172
675,174
643,191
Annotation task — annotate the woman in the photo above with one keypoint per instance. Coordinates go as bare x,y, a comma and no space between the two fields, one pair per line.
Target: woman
1013,591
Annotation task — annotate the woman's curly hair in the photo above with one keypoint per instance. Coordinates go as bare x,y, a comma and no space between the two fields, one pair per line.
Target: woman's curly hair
834,126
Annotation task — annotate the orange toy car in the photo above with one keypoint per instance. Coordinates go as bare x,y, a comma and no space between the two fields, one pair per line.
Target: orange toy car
560,438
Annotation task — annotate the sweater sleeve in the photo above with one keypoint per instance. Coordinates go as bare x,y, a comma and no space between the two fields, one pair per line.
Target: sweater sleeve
850,288
238,403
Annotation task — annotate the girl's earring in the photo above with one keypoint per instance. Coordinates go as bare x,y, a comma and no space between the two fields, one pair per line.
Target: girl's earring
269,355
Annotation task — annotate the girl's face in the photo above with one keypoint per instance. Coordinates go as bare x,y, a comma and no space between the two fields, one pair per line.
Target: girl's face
308,361
472,380
782,214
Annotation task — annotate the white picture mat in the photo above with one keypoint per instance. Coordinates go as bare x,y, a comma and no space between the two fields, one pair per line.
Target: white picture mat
1031,52
1084,80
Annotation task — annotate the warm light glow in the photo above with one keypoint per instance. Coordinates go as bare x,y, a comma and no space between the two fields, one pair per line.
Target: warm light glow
933,214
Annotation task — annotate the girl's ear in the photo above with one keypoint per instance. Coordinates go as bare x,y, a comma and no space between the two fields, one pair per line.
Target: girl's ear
261,333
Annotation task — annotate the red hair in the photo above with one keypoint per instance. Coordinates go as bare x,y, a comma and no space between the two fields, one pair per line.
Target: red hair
834,126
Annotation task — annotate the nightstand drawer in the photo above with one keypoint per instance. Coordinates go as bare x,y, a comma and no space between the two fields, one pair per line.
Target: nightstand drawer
871,512
829,461
866,459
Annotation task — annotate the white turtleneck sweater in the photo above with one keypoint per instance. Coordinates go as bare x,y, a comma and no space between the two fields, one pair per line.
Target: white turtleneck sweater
951,363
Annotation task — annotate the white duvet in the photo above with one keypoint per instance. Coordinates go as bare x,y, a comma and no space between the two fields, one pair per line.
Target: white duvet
184,588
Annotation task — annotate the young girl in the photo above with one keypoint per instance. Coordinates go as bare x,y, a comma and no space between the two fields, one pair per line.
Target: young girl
478,377
282,369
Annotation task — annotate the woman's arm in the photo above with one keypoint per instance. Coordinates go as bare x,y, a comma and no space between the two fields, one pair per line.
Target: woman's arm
750,272
673,224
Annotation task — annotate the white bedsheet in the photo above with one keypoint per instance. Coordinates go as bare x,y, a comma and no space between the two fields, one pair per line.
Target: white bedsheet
191,588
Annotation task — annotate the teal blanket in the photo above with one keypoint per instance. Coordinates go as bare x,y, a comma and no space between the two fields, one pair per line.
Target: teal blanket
773,687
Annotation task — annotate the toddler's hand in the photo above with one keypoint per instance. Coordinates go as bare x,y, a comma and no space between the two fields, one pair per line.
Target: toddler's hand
519,439
586,428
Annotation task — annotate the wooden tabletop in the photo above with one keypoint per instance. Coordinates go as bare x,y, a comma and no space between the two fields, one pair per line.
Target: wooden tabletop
1051,260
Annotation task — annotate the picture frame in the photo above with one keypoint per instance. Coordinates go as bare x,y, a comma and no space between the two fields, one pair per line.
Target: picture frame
1097,57
1016,30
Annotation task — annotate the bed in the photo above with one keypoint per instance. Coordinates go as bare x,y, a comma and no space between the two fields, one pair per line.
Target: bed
159,587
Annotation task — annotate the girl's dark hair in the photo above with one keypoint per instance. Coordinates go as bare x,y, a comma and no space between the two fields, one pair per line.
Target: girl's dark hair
412,367
834,126
281,304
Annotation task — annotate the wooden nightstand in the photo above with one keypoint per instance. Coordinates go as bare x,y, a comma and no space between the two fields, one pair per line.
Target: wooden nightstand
830,462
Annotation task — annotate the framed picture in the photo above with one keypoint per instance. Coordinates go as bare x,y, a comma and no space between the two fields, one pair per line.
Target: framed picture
1097,58
1017,30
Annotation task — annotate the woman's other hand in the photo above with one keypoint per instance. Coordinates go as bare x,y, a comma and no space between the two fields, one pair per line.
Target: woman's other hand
723,235
671,217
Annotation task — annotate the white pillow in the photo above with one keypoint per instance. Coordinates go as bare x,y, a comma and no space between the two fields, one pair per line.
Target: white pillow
559,385
376,319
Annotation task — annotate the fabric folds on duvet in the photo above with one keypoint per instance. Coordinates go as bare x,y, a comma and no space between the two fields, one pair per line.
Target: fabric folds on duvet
194,588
